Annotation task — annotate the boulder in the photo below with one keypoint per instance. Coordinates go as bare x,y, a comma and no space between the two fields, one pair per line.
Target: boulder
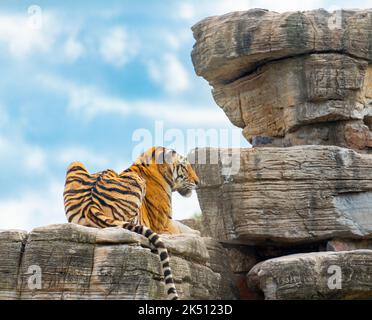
296,195
291,78
320,275
77,262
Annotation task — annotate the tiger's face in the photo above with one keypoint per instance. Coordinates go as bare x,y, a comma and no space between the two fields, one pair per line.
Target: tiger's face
175,168
184,177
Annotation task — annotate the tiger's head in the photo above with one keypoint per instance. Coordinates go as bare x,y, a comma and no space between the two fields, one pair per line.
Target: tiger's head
174,168
184,176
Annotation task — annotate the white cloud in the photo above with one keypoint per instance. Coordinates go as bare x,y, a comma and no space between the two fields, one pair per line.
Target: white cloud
288,5
222,7
35,158
197,10
194,11
73,49
90,102
29,157
175,39
78,153
186,11
117,47
21,38
33,208
169,73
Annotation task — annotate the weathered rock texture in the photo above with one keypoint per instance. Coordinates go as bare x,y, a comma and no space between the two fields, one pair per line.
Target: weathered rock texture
293,195
322,275
11,249
85,263
291,78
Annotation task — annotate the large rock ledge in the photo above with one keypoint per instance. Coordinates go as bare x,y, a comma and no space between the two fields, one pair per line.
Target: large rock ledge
290,195
320,275
85,263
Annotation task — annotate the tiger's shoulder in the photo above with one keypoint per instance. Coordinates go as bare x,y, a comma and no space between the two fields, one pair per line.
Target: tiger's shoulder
132,178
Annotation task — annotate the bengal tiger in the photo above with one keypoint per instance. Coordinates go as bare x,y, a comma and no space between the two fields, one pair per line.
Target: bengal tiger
139,199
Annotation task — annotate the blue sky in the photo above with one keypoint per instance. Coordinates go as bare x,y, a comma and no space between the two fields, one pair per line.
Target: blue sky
94,72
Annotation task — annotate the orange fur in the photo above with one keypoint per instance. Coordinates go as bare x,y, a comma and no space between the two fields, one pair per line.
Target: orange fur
156,209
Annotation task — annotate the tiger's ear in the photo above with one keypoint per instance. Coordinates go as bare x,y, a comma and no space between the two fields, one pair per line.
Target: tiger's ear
169,156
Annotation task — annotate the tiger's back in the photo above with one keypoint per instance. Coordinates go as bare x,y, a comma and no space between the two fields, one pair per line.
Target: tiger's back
118,197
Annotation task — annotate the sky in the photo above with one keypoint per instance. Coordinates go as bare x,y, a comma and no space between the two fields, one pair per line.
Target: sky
89,80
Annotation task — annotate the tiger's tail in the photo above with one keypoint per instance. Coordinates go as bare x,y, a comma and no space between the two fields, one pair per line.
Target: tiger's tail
163,253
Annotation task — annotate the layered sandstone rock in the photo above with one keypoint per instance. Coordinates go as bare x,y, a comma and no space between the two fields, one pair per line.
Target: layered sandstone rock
322,275
11,249
85,263
299,85
302,194
292,78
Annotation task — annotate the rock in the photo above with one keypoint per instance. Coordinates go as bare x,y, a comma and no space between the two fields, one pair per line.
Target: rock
234,44
194,224
352,134
348,245
241,258
321,275
11,249
218,263
291,78
246,293
185,245
187,227
303,194
299,85
77,262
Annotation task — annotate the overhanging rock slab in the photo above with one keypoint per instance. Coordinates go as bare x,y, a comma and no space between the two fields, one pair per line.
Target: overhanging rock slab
285,195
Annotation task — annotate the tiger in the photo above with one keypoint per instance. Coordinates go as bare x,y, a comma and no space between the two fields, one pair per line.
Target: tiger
138,199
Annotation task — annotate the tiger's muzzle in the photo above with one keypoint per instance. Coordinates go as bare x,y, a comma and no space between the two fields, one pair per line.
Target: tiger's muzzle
186,189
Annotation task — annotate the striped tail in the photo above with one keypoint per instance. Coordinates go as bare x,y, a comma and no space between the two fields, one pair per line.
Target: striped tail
163,253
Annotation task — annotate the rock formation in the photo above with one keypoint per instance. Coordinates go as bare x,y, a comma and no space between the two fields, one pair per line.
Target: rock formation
293,78
314,276
299,84
77,262
297,195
